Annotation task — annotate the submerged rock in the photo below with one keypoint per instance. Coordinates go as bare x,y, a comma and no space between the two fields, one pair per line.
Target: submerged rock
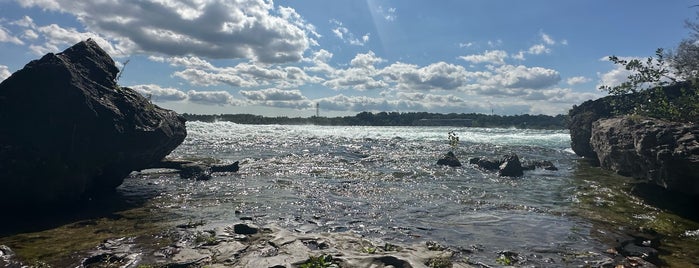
449,159
70,132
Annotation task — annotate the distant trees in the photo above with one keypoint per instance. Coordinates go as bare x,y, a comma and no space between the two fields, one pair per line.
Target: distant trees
394,119
664,86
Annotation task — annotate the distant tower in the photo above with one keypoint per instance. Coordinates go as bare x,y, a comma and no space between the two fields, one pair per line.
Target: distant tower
317,109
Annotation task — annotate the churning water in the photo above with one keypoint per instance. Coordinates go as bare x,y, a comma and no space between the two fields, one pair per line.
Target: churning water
384,182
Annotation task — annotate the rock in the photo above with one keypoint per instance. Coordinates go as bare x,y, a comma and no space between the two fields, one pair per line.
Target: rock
511,167
245,229
659,151
226,168
8,258
70,132
485,163
545,164
582,117
449,159
197,170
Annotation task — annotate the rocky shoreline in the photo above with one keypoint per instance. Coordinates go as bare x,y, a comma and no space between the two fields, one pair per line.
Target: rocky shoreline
244,244
662,152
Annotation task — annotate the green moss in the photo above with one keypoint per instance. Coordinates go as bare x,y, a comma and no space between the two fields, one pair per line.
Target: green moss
63,246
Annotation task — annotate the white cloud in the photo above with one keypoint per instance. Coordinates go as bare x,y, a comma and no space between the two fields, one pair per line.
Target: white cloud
199,72
4,72
388,14
539,49
211,97
199,77
189,62
204,28
463,45
436,76
273,94
577,80
547,39
366,60
346,36
522,77
6,37
160,94
492,57
355,78
57,36
29,34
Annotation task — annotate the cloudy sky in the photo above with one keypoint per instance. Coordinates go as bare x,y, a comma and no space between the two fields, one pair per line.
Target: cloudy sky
347,56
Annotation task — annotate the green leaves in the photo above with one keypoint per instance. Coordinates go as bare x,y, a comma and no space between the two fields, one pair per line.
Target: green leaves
646,90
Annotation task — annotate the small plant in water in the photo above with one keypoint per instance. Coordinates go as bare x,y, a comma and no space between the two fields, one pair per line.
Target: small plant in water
504,260
370,250
453,140
322,261
205,238
439,262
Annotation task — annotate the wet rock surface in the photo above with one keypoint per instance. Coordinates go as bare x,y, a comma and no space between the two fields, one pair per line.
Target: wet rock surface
449,159
510,165
270,246
197,170
70,132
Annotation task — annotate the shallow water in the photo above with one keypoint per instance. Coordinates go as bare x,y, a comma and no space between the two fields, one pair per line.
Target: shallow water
382,182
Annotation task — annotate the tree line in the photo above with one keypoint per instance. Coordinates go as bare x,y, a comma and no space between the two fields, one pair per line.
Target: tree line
394,119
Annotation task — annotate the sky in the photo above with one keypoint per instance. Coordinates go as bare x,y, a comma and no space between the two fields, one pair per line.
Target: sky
286,57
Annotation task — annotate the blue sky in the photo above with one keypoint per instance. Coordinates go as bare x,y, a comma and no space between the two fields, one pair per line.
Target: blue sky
281,58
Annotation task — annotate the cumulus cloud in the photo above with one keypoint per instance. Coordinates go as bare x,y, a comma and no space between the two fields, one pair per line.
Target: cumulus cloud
4,72
436,76
211,97
57,36
577,80
492,57
199,72
273,94
6,37
160,94
510,76
355,78
366,60
251,29
205,78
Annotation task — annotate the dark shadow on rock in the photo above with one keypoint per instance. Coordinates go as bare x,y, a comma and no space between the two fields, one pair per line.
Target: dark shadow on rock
34,219
680,204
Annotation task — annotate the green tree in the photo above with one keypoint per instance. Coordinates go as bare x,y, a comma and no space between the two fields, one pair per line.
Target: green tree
664,86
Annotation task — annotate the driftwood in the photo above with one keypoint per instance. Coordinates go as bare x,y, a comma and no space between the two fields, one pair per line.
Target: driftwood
196,169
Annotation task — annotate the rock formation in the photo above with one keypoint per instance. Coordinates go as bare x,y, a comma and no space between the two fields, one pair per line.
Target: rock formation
69,131
664,152
659,151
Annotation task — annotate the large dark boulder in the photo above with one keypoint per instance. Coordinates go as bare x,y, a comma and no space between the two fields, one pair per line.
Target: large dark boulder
666,153
511,166
70,132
